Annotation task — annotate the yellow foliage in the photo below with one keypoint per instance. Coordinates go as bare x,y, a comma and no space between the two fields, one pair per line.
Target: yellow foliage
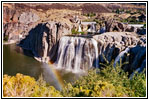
26,86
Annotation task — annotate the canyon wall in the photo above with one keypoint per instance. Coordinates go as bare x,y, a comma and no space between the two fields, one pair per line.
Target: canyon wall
49,41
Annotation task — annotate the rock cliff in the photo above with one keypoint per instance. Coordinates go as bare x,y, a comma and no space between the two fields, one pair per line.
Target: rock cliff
89,51
43,39
113,46
48,41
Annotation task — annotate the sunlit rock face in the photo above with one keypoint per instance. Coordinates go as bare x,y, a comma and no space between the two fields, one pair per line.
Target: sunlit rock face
77,53
122,45
42,39
110,44
28,17
113,25
17,23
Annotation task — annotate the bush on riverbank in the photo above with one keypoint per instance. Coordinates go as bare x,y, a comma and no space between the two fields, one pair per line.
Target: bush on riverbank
26,86
108,82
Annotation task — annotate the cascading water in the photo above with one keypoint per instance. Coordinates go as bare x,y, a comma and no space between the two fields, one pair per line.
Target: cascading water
77,53
79,30
92,28
120,56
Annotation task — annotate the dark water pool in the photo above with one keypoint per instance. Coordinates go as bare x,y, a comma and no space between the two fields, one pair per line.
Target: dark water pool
14,61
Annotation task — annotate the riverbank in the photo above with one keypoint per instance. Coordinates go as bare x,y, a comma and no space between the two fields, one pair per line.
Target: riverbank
98,83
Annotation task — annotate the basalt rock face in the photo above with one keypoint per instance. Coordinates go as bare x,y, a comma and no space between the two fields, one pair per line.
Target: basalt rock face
17,24
137,58
110,44
28,17
43,39
112,25
79,53
113,45
14,32
10,15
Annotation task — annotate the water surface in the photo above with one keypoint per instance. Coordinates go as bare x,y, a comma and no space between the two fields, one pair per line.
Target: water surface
15,61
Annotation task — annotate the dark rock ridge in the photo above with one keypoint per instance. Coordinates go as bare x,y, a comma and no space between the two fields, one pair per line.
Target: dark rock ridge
112,25
43,39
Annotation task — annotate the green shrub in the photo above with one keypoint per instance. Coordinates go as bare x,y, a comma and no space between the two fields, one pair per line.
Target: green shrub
73,31
108,82
6,38
89,14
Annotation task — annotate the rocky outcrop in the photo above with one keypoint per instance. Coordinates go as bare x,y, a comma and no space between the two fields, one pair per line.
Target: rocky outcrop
110,44
17,24
113,45
112,25
43,39
89,51
10,15
28,17
14,32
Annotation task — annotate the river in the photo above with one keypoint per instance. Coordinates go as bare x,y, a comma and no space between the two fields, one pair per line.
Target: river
16,61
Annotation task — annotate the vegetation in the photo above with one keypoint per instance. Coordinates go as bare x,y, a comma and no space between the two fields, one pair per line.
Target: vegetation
89,14
131,21
106,82
5,38
73,31
26,86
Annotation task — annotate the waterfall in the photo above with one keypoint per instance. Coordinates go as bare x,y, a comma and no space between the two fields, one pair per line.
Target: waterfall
77,53
96,49
120,56
79,30
92,29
